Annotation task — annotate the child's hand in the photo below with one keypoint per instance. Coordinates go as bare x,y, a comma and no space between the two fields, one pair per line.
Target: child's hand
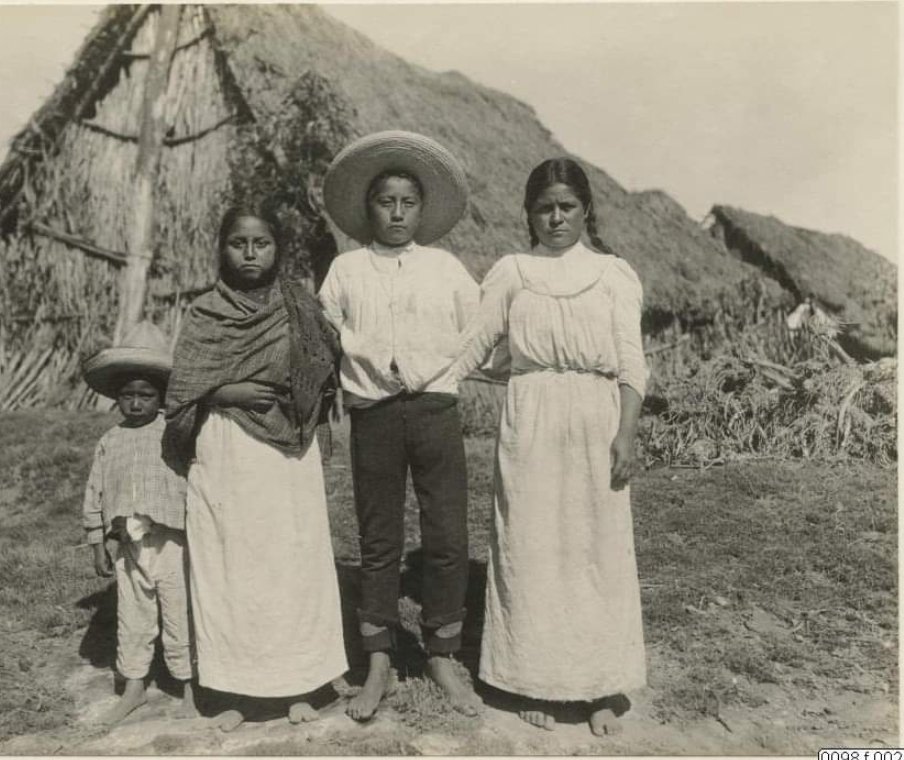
102,565
247,395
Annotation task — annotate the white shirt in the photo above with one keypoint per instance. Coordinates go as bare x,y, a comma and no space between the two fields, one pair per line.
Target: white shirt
400,313
578,310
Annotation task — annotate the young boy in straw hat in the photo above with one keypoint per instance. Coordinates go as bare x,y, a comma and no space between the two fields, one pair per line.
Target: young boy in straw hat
399,307
134,497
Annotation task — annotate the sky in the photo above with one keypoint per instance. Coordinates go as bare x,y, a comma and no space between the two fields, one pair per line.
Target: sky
787,109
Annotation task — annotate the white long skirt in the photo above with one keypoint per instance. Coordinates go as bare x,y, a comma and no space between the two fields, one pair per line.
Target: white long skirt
264,591
563,616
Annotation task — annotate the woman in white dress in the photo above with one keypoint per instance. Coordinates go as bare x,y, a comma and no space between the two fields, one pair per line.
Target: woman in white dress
563,617
252,364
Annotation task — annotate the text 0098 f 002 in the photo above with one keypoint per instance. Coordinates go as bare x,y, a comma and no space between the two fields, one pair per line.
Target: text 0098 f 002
855,753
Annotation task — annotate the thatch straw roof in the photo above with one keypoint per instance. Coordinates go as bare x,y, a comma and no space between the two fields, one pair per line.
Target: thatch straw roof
851,282
237,65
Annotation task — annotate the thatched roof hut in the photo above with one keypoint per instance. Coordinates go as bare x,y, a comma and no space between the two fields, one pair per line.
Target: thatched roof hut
854,284
260,97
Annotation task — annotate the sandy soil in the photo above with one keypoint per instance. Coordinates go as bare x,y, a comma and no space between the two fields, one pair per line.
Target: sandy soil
789,721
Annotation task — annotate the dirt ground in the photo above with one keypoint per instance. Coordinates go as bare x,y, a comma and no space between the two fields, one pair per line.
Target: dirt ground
787,722
770,613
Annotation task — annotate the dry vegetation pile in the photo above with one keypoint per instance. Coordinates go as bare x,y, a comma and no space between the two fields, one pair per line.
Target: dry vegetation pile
856,285
734,392
745,403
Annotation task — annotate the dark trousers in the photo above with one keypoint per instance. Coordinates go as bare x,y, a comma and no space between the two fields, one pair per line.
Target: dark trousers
422,432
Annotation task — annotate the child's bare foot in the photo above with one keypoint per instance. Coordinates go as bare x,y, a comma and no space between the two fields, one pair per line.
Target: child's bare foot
229,720
442,670
187,709
133,697
605,714
538,714
302,712
379,683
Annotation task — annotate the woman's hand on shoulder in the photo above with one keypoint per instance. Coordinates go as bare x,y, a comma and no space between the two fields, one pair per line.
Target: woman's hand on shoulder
249,395
622,456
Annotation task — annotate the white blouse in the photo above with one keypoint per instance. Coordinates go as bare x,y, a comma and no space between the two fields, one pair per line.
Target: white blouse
579,311
400,314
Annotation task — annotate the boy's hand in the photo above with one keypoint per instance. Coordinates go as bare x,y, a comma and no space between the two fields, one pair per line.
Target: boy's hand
247,395
102,565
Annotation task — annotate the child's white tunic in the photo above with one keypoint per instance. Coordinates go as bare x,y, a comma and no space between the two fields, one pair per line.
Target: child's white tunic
563,616
265,598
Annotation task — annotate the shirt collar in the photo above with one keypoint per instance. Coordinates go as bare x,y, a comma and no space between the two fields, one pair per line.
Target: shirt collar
388,258
578,249
392,251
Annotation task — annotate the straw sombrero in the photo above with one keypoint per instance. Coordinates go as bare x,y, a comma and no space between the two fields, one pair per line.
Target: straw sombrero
355,167
144,351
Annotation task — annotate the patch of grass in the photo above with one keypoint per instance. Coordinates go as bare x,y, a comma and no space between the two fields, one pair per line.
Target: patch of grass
422,706
771,570
752,573
44,461
480,404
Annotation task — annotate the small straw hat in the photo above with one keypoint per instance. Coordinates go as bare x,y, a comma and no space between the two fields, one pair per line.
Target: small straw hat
355,167
144,351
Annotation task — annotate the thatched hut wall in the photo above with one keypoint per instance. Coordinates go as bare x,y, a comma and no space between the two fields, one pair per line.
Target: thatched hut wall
82,190
233,92
855,284
498,139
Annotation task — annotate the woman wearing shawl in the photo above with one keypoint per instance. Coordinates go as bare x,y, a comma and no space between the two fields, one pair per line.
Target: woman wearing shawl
251,367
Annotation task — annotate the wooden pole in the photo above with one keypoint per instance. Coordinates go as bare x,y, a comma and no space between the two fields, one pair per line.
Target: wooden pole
133,278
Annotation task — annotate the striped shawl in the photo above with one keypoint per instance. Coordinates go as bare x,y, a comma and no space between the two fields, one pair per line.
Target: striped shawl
230,338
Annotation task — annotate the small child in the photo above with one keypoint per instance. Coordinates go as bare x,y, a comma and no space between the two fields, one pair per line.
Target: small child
134,497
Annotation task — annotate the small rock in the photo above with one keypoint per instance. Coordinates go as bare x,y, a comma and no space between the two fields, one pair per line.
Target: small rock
721,601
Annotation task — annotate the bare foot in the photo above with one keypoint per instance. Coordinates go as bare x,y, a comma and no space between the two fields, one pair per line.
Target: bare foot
133,697
461,695
379,683
187,709
229,720
604,722
605,714
538,715
302,712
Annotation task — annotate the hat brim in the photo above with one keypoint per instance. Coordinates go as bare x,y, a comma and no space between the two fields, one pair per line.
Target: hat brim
106,371
355,167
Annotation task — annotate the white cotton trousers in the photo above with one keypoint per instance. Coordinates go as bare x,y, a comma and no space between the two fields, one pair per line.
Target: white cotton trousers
152,586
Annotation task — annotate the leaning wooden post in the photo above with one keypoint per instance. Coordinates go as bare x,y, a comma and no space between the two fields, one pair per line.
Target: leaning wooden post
133,278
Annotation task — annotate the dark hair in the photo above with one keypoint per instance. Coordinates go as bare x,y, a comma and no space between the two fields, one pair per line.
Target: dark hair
259,211
564,171
158,381
386,174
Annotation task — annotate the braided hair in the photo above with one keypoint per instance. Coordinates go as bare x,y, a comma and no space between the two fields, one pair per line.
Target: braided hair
563,171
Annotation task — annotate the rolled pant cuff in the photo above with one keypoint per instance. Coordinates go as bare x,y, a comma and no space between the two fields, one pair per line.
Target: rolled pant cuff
440,644
382,641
